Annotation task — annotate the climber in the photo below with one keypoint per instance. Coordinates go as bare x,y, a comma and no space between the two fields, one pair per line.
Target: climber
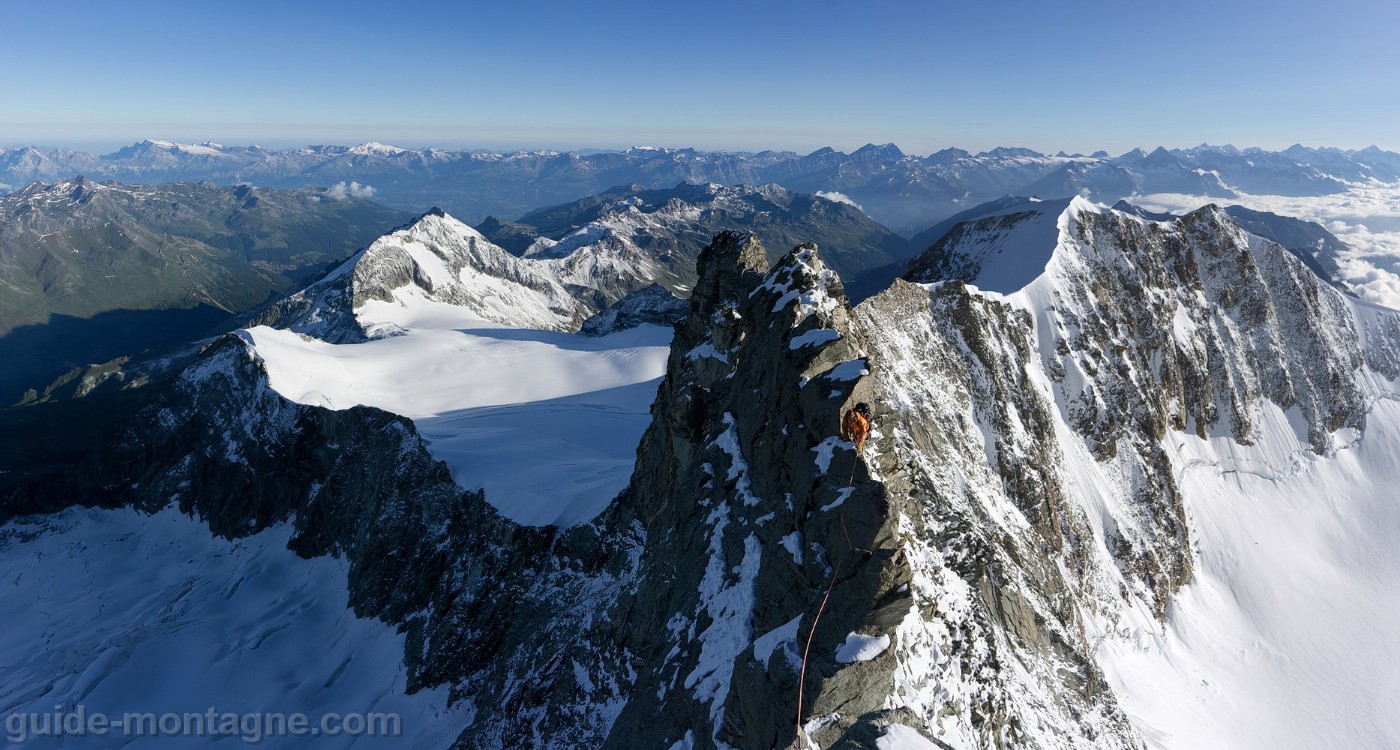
855,425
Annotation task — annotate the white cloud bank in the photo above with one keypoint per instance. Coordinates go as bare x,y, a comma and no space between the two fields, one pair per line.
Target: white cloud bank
1366,218
340,191
839,198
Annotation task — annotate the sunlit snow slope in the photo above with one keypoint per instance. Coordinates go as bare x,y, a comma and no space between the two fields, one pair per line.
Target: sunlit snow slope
1285,635
1225,431
546,422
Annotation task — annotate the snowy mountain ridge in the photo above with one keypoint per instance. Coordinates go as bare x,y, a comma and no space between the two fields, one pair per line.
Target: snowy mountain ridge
554,286
905,192
644,234
622,241
1094,509
434,259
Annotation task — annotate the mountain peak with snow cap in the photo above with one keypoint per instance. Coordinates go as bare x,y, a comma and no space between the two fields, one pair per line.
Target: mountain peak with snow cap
1006,245
1002,249
1158,155
435,260
1130,157
375,148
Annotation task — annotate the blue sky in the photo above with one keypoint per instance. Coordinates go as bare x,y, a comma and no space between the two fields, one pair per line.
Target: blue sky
733,75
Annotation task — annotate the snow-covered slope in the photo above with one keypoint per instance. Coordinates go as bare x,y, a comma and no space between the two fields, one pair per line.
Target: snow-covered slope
1000,250
116,611
1284,637
546,422
1206,466
436,562
469,342
436,259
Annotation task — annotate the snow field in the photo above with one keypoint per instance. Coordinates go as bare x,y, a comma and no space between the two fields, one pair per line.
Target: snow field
1285,637
120,612
548,423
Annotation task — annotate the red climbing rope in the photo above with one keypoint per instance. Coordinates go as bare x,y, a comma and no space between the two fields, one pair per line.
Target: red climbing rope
802,677
835,572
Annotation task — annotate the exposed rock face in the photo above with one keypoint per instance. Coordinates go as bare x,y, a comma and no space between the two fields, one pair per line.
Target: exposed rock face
741,485
1318,248
1229,319
1145,327
651,305
992,651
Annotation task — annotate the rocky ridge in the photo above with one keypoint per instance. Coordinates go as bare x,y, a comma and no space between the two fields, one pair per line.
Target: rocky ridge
969,557
670,225
651,305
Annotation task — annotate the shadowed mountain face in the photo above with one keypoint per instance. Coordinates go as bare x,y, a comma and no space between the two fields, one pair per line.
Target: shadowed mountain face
36,353
1318,248
90,271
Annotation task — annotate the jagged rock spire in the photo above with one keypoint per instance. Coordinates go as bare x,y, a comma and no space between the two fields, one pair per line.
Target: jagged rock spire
738,483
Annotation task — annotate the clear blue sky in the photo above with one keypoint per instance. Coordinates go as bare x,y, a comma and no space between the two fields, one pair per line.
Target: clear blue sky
1077,76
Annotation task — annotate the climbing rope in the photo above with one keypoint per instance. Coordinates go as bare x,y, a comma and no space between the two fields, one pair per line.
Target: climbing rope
802,677
835,573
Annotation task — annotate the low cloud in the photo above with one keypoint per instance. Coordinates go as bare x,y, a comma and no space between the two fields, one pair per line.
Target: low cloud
840,198
340,191
1366,218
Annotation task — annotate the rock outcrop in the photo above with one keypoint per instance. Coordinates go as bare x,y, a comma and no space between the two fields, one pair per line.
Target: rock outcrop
741,485
650,305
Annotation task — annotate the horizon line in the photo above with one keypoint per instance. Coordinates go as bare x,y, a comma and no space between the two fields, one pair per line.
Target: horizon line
95,149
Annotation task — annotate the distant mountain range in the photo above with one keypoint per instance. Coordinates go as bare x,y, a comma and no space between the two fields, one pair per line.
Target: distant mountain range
669,226
93,271
904,192
90,271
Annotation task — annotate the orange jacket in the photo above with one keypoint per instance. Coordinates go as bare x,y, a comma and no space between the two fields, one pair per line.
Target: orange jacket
854,427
